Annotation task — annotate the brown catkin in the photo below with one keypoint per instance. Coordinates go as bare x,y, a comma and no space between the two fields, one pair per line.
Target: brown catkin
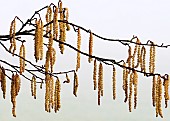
135,83
78,48
48,19
143,59
33,87
152,58
67,15
90,47
166,89
114,82
153,91
62,36
57,104
22,57
95,75
75,84
138,53
133,56
12,37
51,92
100,82
47,93
159,97
55,23
38,44
125,81
129,58
3,82
130,91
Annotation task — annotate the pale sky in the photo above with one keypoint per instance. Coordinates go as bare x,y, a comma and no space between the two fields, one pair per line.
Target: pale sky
117,19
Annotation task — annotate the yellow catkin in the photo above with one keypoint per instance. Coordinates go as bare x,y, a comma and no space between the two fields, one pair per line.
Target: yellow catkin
114,82
50,51
90,47
15,87
125,82
78,48
48,19
12,36
152,59
143,59
57,104
47,61
53,59
41,39
47,93
22,57
3,82
33,87
159,97
130,91
62,36
129,58
67,15
51,92
133,56
38,44
154,91
95,75
135,83
166,89
75,84
55,23
138,53
100,82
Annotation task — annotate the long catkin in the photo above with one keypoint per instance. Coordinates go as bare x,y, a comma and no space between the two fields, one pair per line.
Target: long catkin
100,82
95,75
130,91
3,81
114,83
135,83
78,47
90,47
12,37
154,91
166,89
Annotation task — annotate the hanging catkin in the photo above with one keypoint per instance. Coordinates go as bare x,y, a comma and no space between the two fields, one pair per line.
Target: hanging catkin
90,47
78,48
22,57
154,91
138,53
62,36
48,19
143,59
125,81
135,83
152,58
12,36
95,75
114,82
67,15
100,82
33,87
57,104
38,44
47,93
51,92
159,97
129,58
75,84
133,56
3,81
130,91
15,87
166,89
55,23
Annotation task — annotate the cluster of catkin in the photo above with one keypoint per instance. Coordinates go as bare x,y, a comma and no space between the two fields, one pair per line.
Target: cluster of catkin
33,87
52,94
15,87
3,81
22,58
12,36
